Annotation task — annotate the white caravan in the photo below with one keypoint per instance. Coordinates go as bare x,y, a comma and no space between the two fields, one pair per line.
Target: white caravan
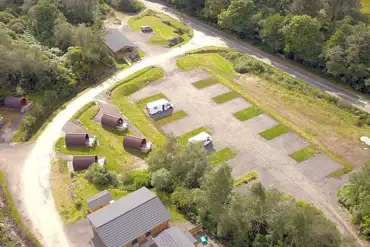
202,137
158,106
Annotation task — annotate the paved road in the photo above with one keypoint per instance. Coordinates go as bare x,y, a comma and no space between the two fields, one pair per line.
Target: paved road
280,63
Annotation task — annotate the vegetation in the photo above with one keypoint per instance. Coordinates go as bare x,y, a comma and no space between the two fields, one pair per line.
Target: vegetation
12,231
226,97
259,217
142,103
274,132
248,113
132,111
304,153
167,31
330,35
246,178
355,196
365,6
172,118
221,156
130,6
205,83
100,176
184,138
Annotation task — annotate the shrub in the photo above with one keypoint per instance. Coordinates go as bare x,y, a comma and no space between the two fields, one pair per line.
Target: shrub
78,203
17,25
99,175
246,65
5,17
162,181
134,180
131,6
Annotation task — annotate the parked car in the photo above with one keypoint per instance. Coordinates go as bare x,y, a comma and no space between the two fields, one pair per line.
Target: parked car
158,106
146,29
202,137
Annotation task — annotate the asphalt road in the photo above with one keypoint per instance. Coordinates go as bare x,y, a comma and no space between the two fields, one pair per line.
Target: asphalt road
280,63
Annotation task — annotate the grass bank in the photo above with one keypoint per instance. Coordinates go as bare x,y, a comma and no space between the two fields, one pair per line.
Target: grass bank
307,111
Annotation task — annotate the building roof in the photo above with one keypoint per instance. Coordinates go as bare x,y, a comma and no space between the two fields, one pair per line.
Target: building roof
129,217
115,40
76,140
14,102
175,237
99,199
133,142
83,162
156,103
110,121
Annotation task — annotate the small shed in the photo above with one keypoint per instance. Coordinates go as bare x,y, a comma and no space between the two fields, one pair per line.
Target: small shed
83,162
113,122
120,46
16,103
99,201
136,143
79,140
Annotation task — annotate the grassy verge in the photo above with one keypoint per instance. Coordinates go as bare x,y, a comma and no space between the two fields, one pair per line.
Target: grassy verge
172,118
184,138
221,156
142,103
226,97
110,143
248,113
205,83
274,132
246,178
304,153
165,28
131,110
305,110
8,212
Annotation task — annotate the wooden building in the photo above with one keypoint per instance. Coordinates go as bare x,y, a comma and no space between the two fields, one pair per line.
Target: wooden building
113,122
136,144
99,201
79,140
17,103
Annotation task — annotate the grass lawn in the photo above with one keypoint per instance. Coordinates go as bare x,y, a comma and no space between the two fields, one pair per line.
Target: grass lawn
304,153
221,156
184,138
110,143
246,178
365,6
67,191
274,132
248,113
9,117
142,103
162,31
131,110
172,118
219,99
205,83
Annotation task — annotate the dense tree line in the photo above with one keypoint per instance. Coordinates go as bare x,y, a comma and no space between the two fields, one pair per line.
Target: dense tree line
356,197
49,49
257,217
331,35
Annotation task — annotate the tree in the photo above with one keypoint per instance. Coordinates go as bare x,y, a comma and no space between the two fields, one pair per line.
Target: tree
272,32
79,11
212,8
303,38
356,197
99,175
306,7
238,16
161,180
338,9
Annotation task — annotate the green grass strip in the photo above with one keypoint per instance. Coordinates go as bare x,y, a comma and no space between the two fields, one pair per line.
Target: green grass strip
184,138
246,178
221,156
226,97
248,113
274,132
144,101
205,83
10,208
304,153
172,118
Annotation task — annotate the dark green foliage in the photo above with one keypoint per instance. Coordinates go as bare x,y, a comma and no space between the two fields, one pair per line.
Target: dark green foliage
162,181
356,197
130,6
5,17
100,176
136,179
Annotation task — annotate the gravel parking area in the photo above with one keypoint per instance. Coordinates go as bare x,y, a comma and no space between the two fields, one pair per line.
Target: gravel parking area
288,143
317,167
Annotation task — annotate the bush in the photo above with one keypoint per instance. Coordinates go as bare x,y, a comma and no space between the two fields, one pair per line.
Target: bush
17,25
78,204
136,179
162,180
5,17
131,6
244,65
99,175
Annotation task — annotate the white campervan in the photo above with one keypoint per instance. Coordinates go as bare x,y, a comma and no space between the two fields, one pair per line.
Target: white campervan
202,137
158,106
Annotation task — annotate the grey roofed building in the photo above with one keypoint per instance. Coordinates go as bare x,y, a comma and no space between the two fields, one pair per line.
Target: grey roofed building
175,237
99,199
115,40
128,218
